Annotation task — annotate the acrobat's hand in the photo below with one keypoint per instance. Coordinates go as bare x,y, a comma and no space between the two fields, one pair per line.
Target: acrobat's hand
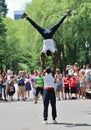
68,13
24,15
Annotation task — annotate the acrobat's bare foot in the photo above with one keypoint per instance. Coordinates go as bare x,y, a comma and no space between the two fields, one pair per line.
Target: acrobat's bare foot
24,15
68,13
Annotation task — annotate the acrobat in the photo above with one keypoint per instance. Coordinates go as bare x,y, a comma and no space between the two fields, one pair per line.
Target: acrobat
48,42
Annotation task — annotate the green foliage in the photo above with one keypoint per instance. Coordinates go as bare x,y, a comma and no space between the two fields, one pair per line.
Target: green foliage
3,30
3,8
73,32
23,44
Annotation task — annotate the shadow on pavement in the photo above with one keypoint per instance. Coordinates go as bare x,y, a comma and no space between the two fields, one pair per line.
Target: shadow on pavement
72,124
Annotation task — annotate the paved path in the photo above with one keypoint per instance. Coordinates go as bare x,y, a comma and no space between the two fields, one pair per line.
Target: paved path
72,115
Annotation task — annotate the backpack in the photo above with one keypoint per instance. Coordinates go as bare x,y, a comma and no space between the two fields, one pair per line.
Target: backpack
21,82
11,90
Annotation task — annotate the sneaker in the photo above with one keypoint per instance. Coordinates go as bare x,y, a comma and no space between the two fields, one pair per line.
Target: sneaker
54,121
35,102
23,99
6,100
68,13
18,99
44,121
58,99
24,15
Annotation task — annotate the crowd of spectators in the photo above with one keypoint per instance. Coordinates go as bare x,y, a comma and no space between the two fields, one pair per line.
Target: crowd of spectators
71,84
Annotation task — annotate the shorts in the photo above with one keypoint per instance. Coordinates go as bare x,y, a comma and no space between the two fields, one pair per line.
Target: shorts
82,84
73,90
78,86
39,90
21,89
11,93
66,90
59,87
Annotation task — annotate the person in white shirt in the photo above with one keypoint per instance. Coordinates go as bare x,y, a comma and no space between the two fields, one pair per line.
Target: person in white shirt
47,34
49,95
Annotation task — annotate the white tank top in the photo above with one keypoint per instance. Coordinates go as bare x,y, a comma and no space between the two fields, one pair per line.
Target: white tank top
48,45
48,80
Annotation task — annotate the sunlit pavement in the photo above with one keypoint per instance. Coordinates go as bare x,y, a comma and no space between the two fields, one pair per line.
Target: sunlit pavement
25,115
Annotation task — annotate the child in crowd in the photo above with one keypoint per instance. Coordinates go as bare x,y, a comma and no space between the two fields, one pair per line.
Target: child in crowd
59,85
66,83
11,88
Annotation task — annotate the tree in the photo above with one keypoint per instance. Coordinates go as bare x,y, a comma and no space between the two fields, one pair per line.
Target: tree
74,31
24,43
3,11
3,8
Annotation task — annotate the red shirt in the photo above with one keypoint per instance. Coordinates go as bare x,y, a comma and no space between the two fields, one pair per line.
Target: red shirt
66,82
72,82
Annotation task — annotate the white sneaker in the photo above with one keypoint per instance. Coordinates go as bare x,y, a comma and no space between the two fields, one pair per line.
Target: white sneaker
54,121
44,121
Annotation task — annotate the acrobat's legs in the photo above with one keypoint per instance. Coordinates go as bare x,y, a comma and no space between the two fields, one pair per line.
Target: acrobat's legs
35,25
47,33
42,60
55,60
54,28
39,29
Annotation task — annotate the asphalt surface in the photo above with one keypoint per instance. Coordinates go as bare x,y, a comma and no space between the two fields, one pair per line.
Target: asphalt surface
25,115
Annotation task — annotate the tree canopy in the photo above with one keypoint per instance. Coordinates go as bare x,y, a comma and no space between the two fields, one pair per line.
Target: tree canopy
22,43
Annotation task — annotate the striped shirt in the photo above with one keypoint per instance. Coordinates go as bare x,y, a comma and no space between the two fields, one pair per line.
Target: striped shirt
39,82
